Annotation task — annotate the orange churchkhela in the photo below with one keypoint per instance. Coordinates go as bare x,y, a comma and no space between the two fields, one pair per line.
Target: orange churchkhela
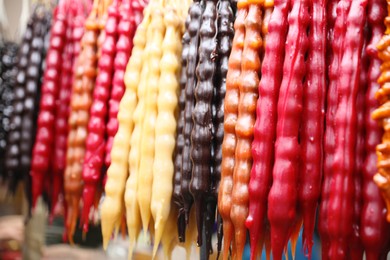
248,94
230,140
81,100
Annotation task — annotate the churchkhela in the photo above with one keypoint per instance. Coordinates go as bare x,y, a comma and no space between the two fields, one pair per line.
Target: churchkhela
185,119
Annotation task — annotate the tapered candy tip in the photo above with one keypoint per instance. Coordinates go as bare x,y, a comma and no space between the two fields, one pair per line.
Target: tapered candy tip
286,254
84,220
181,227
199,220
131,248
145,223
155,248
145,230
294,237
70,239
85,227
249,221
279,242
88,200
225,250
105,244
307,244
253,254
107,226
157,238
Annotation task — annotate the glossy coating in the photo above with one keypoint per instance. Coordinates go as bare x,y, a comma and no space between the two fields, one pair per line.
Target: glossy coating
201,134
336,35
44,139
283,196
313,120
230,119
374,229
341,200
95,144
224,38
265,126
248,91
195,12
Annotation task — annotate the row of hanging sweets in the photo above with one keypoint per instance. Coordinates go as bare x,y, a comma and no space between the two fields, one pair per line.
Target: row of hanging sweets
255,115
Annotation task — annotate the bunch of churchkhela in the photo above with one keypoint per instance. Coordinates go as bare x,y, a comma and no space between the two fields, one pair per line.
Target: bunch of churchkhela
90,44
21,87
183,119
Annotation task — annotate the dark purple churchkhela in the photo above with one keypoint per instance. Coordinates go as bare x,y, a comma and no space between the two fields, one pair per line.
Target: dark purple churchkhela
26,97
224,39
12,155
8,61
201,135
177,198
195,13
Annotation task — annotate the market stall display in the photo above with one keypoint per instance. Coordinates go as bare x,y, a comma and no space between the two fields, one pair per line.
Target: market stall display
186,119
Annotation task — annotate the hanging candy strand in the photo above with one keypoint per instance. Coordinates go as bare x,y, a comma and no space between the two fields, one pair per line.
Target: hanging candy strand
35,68
61,114
248,91
312,129
131,194
335,40
230,119
76,18
113,204
374,230
145,174
201,135
176,196
268,10
12,154
340,215
78,71
124,45
356,247
195,13
95,140
165,127
282,198
126,30
224,40
44,142
265,126
78,118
